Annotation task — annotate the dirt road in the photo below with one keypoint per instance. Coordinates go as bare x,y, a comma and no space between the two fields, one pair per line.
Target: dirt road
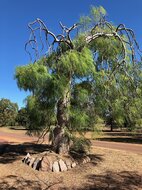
7,136
135,148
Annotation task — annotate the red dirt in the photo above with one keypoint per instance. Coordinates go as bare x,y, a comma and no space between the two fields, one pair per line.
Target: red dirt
134,148
109,169
16,137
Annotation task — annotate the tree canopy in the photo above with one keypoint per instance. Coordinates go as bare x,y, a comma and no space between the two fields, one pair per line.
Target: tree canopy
88,71
8,112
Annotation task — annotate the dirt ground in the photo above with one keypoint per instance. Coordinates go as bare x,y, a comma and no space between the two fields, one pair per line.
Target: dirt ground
109,169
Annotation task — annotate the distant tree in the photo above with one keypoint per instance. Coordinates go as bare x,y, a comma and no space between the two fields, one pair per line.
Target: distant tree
65,82
22,117
8,112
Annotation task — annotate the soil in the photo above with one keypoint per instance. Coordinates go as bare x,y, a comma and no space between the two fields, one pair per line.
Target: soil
109,169
16,136
135,148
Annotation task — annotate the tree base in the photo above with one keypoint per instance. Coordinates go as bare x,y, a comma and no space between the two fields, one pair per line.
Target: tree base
52,162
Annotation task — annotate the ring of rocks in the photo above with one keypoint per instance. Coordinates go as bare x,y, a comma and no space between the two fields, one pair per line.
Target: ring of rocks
50,161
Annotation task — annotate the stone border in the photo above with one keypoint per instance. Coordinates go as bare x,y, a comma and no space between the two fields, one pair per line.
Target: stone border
49,161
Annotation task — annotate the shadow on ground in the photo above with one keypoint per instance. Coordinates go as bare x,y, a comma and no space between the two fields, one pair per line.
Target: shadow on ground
126,137
11,152
13,182
122,139
111,181
115,181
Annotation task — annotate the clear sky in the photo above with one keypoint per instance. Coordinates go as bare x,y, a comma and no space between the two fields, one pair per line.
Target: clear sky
16,14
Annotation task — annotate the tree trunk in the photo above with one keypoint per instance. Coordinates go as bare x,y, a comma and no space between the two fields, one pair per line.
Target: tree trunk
111,127
61,141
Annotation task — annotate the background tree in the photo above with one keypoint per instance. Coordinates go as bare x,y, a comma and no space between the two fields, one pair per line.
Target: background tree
22,117
8,112
63,82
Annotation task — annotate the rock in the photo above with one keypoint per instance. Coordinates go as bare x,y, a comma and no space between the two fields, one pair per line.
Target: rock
28,160
23,160
68,164
28,155
31,161
55,167
88,158
84,160
73,165
46,164
76,162
37,163
62,166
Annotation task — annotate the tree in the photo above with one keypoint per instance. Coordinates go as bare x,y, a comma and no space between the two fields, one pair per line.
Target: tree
8,112
121,103
22,117
63,80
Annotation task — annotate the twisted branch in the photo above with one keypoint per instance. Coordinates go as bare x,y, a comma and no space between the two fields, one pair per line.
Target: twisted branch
65,37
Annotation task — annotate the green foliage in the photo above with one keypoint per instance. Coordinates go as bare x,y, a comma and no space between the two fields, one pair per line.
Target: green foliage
8,112
31,76
97,13
119,101
81,79
39,118
109,50
22,117
80,145
79,63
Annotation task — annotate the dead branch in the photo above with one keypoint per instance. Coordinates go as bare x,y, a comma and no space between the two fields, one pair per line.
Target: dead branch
60,38
65,37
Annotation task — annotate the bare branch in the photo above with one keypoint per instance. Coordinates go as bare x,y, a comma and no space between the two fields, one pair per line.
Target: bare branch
51,39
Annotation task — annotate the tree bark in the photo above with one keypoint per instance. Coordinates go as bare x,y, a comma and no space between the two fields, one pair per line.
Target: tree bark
111,127
61,141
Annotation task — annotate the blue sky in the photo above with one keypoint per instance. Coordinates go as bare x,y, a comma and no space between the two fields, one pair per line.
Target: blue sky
16,14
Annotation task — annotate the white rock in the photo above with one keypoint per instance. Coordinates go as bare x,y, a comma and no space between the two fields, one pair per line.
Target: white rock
84,161
73,165
27,161
26,158
62,165
88,159
31,161
36,164
55,167
68,164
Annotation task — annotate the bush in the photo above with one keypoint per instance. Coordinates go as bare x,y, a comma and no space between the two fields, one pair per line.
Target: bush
80,145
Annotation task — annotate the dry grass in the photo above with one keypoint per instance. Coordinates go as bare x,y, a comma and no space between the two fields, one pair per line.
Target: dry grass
109,170
116,136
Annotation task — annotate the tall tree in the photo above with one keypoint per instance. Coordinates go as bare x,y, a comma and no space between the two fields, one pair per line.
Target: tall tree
63,81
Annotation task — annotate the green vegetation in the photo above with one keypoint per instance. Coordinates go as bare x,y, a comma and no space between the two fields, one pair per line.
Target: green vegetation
8,112
82,81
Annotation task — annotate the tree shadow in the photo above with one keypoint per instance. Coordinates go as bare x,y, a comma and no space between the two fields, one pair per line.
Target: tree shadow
13,182
124,180
96,158
12,152
122,139
126,137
